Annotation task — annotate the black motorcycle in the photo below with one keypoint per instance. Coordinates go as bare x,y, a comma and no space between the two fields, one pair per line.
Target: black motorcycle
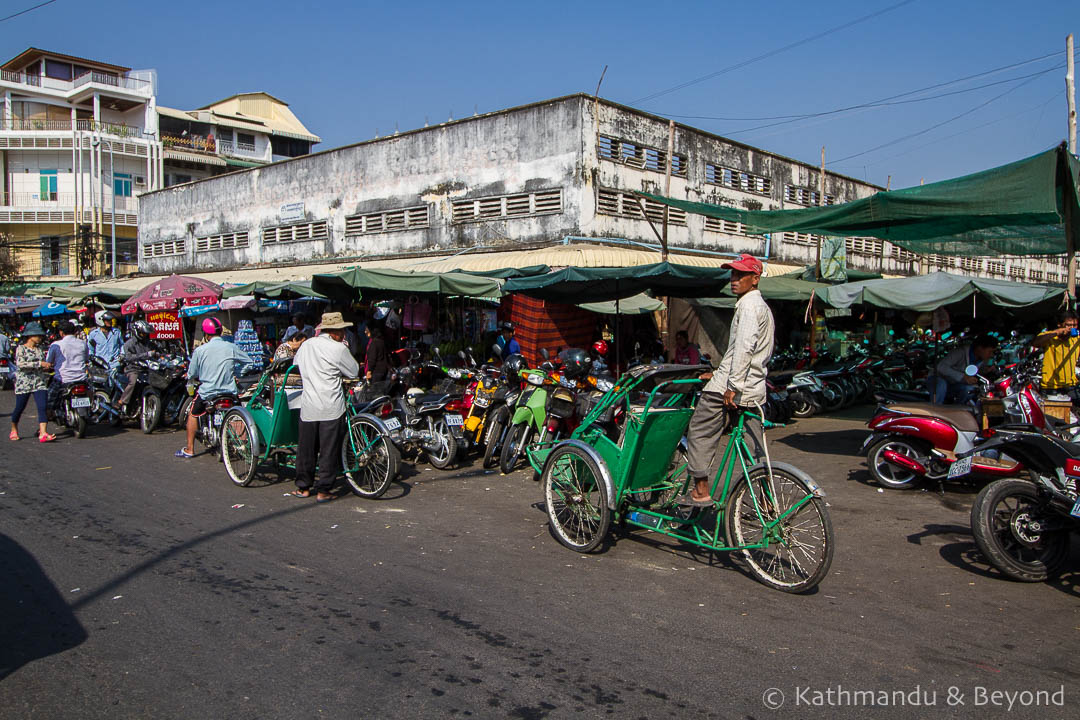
164,394
1024,527
73,406
208,431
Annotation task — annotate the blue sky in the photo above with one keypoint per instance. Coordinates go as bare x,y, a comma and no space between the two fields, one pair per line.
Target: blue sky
348,69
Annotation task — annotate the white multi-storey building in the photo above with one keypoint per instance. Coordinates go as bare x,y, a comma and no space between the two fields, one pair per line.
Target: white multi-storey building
78,142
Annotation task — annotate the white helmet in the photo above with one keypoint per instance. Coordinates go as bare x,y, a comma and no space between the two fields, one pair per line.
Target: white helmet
413,394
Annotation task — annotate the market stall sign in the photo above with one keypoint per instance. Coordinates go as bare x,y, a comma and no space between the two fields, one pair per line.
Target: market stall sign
166,325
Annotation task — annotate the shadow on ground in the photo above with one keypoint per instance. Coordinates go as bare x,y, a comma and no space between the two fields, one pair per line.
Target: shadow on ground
37,621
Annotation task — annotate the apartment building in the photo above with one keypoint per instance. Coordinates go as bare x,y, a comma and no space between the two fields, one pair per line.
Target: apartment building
78,143
242,131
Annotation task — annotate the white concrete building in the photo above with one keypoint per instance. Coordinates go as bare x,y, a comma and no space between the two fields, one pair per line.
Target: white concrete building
78,143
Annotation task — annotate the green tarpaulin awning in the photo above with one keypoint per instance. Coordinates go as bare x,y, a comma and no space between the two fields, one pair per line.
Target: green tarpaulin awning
772,288
402,282
505,273
277,291
1015,209
634,305
84,295
574,285
924,293
808,273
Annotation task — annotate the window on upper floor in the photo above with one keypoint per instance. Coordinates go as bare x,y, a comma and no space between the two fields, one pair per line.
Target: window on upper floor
541,202
122,184
622,204
737,179
48,185
244,141
410,218
301,232
805,195
639,156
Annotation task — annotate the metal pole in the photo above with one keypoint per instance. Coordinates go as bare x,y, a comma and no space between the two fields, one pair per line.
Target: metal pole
112,179
821,201
667,186
1070,97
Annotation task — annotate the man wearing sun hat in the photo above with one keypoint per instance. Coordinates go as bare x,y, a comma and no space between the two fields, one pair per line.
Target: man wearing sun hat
323,361
739,382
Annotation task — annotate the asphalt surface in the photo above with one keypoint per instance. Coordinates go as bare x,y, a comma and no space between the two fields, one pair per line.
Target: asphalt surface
135,585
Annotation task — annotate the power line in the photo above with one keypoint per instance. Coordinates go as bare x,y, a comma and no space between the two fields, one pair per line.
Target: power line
29,9
1040,106
886,100
934,126
771,53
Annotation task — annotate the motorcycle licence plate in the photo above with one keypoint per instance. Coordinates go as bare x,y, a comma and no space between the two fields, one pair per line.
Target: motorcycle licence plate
80,402
392,424
218,419
454,420
1075,512
960,467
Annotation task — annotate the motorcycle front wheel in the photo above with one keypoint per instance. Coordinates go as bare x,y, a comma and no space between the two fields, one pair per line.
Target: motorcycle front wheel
1006,519
492,434
150,417
514,446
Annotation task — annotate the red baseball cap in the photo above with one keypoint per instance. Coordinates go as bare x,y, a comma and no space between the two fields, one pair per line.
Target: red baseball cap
746,263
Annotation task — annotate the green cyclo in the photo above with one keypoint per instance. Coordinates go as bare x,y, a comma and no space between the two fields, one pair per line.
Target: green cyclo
630,470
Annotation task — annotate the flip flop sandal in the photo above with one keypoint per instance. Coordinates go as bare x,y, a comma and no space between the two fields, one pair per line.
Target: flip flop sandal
13,435
46,438
183,454
321,500
303,494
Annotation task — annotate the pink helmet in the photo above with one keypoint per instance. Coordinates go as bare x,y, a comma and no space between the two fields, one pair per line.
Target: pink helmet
211,326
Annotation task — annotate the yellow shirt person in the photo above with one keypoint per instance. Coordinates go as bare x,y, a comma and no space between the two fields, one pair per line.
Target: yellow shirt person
1061,355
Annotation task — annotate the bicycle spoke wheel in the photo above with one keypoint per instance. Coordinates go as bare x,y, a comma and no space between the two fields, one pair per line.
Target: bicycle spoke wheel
794,554
370,459
576,499
237,448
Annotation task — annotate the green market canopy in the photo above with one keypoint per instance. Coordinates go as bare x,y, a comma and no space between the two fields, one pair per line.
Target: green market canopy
76,295
782,287
635,305
277,291
509,272
575,285
923,293
809,272
347,282
1016,209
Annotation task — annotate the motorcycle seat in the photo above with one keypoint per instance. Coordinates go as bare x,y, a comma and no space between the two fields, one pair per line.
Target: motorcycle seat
430,399
963,419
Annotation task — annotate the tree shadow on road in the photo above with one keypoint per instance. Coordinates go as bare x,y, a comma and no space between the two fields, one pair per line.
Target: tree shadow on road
37,621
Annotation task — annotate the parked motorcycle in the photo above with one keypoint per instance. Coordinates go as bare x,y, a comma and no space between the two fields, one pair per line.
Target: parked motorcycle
73,406
164,394
909,442
208,430
7,373
1024,527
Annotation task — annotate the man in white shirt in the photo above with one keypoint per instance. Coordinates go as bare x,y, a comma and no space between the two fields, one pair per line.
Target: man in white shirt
324,361
739,382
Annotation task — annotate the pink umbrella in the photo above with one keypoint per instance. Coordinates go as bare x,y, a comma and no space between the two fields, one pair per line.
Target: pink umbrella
171,292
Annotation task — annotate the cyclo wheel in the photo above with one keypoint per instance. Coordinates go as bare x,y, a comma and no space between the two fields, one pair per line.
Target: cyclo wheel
800,547
372,478
576,499
237,448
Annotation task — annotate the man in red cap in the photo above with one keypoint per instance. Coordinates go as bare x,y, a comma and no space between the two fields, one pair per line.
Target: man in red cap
739,382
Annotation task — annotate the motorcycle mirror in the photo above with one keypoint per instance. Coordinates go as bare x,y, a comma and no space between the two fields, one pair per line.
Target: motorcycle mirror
461,354
496,350
545,354
1015,334
971,370
436,350
469,350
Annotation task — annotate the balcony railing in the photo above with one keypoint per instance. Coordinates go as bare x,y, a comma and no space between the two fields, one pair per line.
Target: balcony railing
117,81
189,142
238,150
117,129
37,201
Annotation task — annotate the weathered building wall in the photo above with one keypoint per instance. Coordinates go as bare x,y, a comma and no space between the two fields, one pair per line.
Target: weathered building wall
490,180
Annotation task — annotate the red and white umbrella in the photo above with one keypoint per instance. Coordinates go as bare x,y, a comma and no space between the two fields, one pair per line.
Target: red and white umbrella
171,293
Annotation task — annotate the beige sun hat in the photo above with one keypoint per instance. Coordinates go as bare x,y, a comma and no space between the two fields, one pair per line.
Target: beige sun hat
334,321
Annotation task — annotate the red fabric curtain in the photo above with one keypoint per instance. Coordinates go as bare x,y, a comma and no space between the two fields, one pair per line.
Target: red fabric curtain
542,324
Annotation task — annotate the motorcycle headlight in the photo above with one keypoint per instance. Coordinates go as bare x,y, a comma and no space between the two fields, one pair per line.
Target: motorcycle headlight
604,385
454,373
535,380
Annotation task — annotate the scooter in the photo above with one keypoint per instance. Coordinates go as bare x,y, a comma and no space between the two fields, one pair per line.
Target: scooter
910,442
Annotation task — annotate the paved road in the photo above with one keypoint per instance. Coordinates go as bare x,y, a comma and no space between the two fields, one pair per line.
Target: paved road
133,588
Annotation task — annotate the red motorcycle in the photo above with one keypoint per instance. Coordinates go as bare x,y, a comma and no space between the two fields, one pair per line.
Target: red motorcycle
910,442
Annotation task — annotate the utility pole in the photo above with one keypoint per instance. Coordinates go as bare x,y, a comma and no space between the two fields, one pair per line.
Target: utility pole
1070,97
667,187
820,201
